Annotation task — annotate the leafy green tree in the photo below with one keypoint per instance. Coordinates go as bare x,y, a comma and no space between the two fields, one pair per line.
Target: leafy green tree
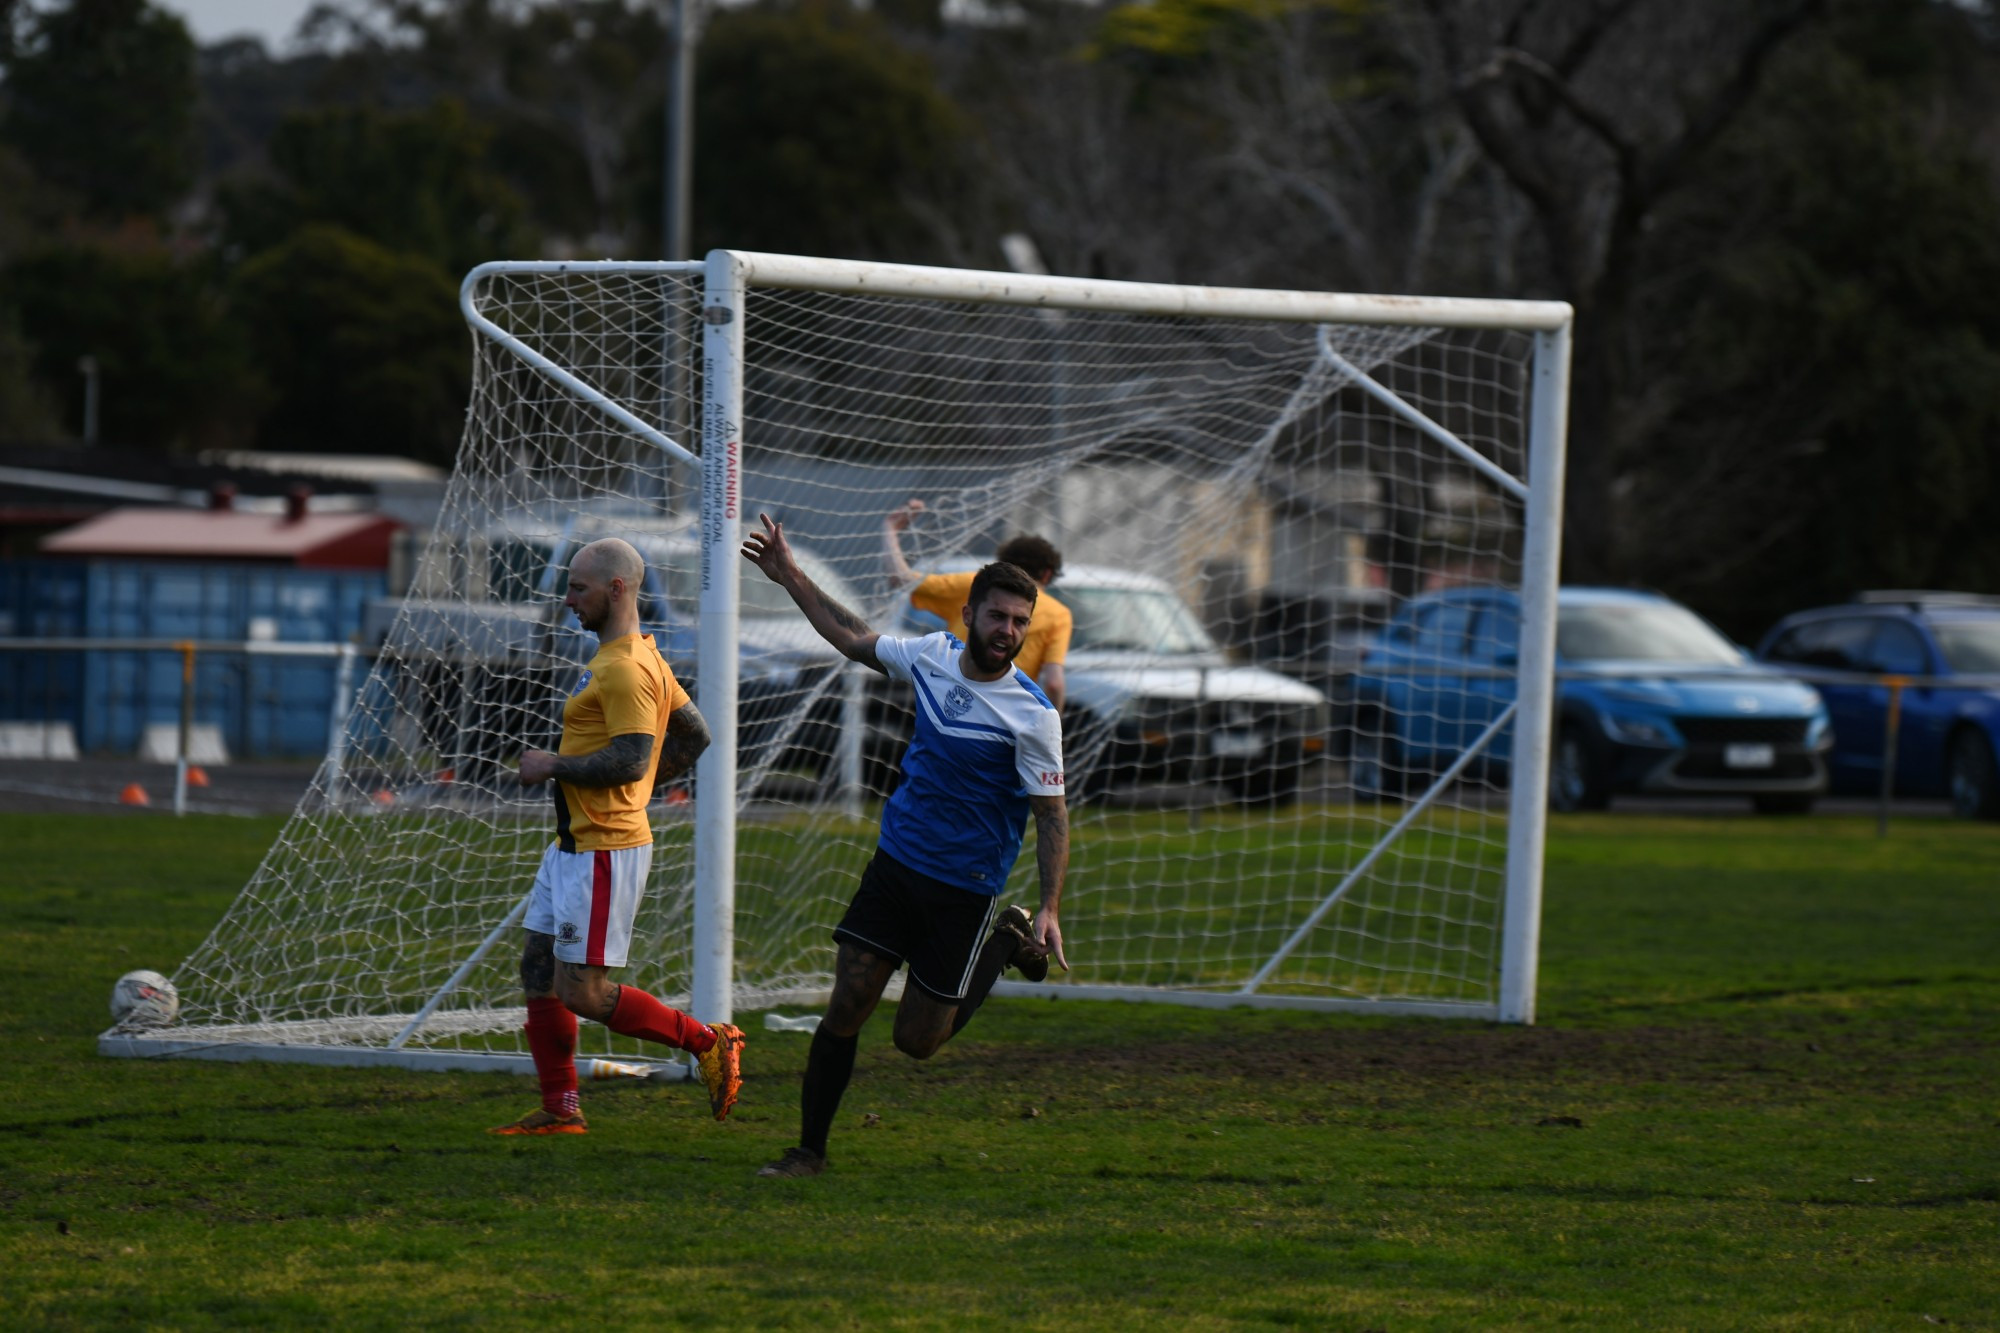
417,181
174,368
562,89
1831,324
100,100
362,345
816,133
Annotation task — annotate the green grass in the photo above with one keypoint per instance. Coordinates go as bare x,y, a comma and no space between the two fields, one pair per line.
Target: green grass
1762,1094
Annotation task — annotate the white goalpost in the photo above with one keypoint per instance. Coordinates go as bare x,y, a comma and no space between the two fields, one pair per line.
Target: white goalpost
1243,484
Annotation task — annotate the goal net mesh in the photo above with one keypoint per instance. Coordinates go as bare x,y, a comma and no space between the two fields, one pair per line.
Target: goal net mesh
1234,513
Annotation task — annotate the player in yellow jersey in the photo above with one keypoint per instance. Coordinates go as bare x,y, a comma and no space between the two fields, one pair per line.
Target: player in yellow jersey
628,726
944,596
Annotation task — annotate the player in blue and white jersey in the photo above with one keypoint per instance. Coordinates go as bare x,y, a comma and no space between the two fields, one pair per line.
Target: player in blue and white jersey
986,753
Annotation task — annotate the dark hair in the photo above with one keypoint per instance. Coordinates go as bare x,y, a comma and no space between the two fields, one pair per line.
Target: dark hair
1033,554
1001,577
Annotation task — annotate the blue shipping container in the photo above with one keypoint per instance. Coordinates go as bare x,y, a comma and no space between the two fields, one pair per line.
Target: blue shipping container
265,707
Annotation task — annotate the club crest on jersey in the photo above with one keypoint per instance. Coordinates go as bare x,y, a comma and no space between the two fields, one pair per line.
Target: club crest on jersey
957,702
580,685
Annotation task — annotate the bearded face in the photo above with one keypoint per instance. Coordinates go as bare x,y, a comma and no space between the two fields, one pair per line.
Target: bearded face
995,631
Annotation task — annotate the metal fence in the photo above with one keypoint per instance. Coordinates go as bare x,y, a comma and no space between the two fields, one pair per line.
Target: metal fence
240,688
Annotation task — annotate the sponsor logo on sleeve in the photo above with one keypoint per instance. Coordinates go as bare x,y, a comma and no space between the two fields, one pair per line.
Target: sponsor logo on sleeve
1050,779
580,685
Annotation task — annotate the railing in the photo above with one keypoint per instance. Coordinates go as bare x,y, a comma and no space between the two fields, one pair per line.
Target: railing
345,655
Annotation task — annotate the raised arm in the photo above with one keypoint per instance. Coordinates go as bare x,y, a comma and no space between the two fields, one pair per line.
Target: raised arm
847,632
893,526
1052,865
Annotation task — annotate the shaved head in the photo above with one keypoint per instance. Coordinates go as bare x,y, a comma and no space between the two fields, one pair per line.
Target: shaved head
611,558
604,582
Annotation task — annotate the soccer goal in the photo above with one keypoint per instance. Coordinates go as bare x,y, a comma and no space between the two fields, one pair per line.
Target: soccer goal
1244,485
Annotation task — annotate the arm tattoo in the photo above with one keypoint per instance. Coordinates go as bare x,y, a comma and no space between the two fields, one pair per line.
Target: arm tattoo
687,737
843,617
626,759
1051,846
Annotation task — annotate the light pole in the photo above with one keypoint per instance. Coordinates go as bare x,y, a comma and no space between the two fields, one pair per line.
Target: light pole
676,184
88,365
679,166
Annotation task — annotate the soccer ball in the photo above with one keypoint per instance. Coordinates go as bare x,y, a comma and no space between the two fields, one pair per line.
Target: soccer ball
144,999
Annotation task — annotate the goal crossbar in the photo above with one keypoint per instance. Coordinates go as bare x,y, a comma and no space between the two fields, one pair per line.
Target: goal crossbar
1145,298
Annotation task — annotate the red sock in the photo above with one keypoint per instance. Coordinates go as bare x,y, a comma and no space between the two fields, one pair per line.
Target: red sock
552,1041
638,1014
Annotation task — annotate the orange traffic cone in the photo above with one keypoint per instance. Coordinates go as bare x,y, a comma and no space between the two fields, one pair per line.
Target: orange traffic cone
197,776
133,794
385,797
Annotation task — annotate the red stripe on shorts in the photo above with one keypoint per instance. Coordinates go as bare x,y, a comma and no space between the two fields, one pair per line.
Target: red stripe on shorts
600,907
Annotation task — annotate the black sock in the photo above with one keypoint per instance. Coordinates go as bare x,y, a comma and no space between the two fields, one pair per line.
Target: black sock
993,957
829,1064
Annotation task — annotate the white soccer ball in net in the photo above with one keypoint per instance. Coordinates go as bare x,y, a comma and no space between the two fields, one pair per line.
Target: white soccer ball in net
144,999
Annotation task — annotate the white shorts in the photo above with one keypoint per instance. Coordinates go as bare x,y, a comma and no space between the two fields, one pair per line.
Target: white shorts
587,900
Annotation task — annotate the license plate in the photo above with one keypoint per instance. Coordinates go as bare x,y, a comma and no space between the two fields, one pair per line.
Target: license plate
1749,756
1235,744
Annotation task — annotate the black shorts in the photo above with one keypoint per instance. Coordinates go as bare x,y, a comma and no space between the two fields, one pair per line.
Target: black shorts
906,917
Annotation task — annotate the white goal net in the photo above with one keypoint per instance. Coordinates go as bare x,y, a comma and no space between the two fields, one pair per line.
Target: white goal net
1244,486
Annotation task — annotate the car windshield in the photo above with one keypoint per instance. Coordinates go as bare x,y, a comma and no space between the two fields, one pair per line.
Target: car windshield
1971,646
1644,632
1144,620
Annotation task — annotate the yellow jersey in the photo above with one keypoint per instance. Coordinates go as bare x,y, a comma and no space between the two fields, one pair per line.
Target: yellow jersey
627,689
1047,640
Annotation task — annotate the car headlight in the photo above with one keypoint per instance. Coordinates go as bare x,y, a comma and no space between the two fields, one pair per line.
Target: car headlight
1636,731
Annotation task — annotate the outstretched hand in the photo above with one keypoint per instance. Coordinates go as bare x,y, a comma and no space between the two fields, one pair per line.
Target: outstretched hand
899,518
768,550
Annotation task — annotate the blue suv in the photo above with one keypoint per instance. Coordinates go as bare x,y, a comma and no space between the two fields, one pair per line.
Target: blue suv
1947,645
1649,698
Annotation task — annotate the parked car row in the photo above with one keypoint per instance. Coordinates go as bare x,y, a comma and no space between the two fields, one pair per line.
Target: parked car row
1651,698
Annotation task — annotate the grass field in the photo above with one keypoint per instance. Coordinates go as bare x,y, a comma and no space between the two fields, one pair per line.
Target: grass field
1764,1093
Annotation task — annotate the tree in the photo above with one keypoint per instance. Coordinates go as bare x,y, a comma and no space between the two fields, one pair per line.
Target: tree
1597,114
562,89
101,98
1825,304
412,181
363,346
816,133
174,367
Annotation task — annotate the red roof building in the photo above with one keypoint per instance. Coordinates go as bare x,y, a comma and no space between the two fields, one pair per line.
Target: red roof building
298,537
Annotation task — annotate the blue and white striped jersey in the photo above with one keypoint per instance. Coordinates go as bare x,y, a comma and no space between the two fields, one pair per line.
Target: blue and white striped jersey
980,749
